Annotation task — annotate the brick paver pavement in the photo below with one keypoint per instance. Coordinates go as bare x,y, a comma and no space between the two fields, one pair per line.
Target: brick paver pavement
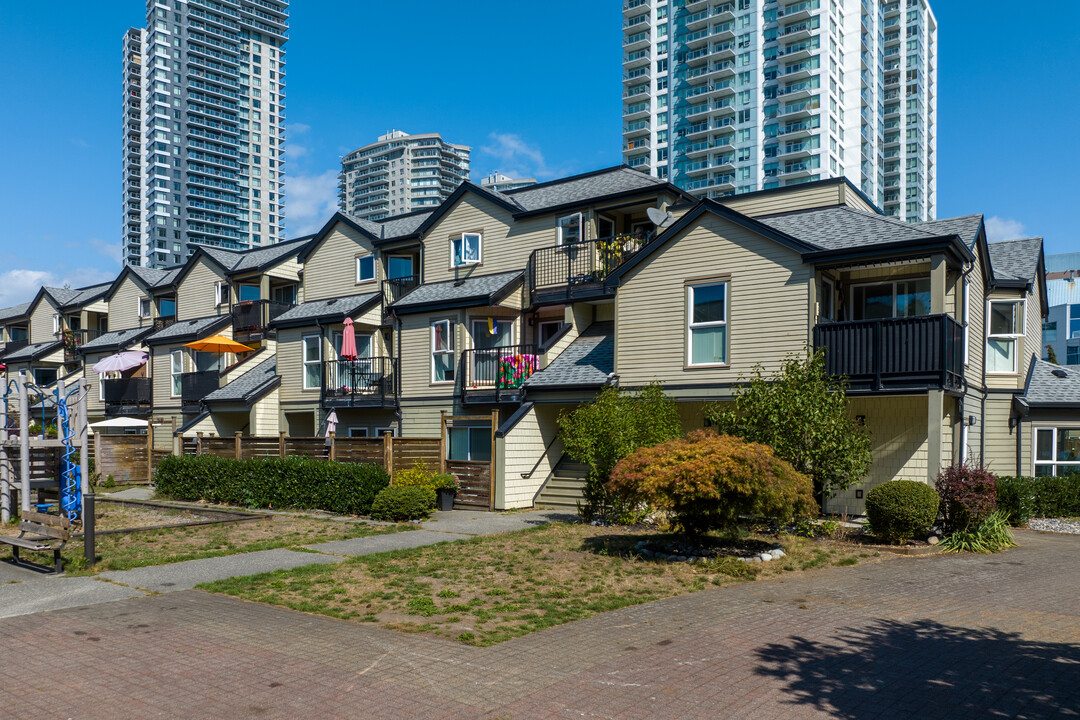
926,637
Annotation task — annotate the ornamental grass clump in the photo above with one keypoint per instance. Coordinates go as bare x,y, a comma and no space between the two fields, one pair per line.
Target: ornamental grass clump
989,536
968,496
898,510
706,481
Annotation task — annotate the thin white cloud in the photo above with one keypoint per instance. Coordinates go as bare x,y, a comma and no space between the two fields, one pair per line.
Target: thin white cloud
20,285
998,228
310,200
297,128
517,158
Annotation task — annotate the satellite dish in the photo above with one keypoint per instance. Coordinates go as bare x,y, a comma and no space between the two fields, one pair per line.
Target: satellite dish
660,218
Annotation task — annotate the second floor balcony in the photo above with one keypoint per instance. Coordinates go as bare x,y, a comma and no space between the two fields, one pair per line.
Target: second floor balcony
251,319
75,339
496,374
195,386
128,397
364,382
895,354
577,271
394,288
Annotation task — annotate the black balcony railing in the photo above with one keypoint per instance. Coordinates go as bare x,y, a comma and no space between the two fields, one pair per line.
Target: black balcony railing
75,339
578,270
895,354
163,321
128,396
253,318
365,382
495,375
394,288
13,346
195,386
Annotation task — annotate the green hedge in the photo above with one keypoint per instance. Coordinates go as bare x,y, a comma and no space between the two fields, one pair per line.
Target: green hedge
291,482
899,510
1039,497
403,502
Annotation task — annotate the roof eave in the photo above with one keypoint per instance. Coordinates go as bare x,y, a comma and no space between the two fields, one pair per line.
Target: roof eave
611,197
952,244
221,324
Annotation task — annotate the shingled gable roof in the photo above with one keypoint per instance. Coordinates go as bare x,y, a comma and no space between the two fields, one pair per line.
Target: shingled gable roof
588,361
478,290
1050,385
232,262
1016,260
185,330
334,309
398,227
33,352
250,386
15,311
149,278
556,195
115,340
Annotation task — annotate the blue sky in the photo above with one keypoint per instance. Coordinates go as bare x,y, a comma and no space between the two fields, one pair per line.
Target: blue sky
533,88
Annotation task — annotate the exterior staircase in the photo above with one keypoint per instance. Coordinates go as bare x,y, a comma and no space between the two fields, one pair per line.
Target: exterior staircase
563,489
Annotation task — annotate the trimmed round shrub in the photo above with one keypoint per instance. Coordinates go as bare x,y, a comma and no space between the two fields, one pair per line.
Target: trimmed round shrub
1016,499
706,481
399,503
899,510
968,496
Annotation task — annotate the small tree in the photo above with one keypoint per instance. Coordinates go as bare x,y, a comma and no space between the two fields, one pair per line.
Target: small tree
706,481
1051,356
602,432
968,495
802,413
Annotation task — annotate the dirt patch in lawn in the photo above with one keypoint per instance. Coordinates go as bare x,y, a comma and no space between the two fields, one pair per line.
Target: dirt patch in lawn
489,589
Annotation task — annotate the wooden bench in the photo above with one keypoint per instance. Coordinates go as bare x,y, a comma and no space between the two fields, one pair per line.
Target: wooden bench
39,532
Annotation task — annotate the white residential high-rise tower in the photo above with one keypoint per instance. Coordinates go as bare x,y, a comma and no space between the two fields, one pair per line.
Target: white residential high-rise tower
726,97
204,114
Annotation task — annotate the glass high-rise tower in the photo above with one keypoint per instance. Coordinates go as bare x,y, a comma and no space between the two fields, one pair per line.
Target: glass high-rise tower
741,95
203,121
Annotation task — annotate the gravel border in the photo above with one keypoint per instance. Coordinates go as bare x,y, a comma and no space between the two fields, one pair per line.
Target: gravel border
1069,527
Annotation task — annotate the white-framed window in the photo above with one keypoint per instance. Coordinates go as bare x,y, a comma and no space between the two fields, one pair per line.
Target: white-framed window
894,299
357,432
827,302
707,336
548,329
56,324
570,229
442,351
144,307
381,431
1005,324
365,268
176,369
221,293
1057,451
312,358
466,250
2,330
469,443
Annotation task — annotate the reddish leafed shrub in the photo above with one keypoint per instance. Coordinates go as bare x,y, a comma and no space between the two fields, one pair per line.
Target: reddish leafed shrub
706,481
968,495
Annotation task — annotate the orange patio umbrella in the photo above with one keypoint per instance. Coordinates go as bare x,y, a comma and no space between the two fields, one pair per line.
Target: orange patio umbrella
218,344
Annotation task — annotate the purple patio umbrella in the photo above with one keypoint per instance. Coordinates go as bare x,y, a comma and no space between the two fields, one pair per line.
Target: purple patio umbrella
121,361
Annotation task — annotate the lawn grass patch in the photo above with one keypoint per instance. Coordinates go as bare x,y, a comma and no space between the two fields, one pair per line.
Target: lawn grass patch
485,590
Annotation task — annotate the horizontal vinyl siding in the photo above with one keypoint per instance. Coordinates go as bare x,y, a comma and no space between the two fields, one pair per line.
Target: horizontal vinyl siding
264,416
523,453
41,322
330,271
1000,438
422,419
160,370
768,311
195,296
290,365
415,361
506,244
976,334
124,306
790,199
1032,332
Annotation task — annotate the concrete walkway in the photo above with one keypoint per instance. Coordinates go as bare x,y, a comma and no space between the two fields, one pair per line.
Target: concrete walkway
24,591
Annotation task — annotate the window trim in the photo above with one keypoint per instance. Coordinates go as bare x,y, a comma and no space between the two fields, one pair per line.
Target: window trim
56,324
173,373
559,229
479,248
380,431
472,327
149,308
828,289
221,294
356,268
1014,337
893,282
689,325
451,351
1035,462
304,362
540,329
352,428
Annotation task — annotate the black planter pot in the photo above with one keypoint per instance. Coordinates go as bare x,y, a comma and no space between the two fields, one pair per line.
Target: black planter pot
446,499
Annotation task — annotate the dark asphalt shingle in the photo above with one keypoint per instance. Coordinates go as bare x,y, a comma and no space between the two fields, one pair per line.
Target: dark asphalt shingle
1046,388
1016,259
185,329
838,228
116,339
249,386
328,308
580,189
33,352
15,311
586,362
481,288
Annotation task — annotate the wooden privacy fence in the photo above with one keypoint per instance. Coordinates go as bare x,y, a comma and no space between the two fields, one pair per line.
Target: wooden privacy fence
474,483
128,458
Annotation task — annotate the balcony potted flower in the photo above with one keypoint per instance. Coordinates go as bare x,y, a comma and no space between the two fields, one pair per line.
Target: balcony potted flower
446,485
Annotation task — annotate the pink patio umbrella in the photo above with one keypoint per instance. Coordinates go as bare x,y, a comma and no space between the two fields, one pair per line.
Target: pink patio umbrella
331,422
348,341
121,361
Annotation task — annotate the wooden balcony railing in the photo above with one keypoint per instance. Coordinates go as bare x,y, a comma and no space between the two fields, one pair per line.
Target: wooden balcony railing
495,375
577,270
128,397
365,382
895,354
